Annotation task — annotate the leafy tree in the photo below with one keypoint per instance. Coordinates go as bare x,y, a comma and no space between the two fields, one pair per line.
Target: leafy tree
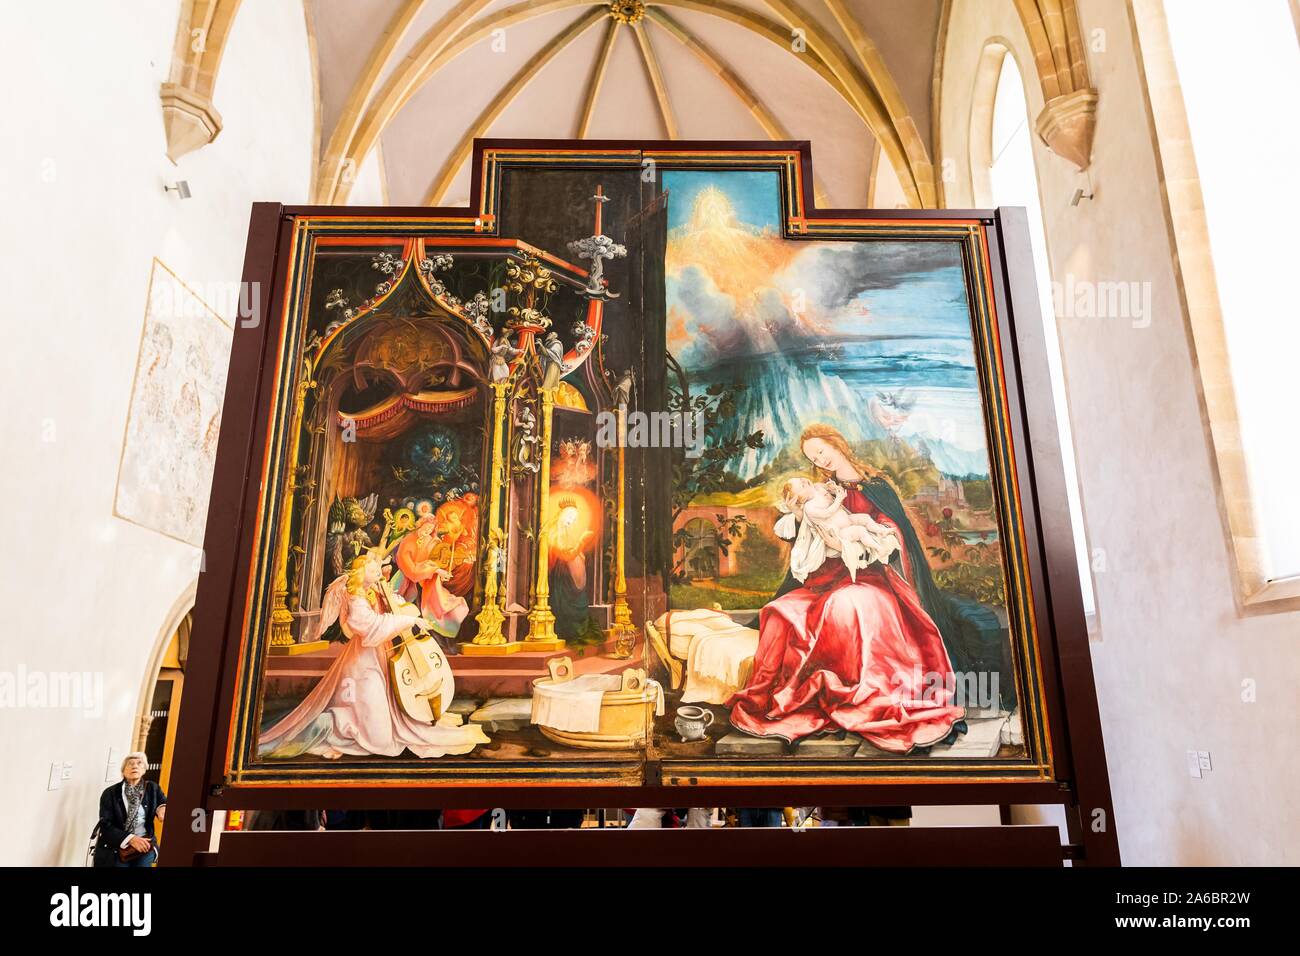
715,409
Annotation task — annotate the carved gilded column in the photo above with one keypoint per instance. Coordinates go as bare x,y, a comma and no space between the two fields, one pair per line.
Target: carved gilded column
281,616
490,616
541,619
623,631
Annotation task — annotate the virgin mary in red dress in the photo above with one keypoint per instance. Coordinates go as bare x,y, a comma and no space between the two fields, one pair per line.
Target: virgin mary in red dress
862,656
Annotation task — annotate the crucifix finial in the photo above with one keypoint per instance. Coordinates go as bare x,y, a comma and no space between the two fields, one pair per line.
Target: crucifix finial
598,247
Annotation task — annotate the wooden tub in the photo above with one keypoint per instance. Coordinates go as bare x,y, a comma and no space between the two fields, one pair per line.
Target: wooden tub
627,709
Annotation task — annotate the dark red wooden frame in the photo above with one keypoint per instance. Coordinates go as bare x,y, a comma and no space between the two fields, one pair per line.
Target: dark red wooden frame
1082,784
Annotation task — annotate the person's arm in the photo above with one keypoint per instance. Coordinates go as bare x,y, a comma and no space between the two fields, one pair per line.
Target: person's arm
827,534
405,558
113,834
578,571
822,512
822,528
838,494
373,628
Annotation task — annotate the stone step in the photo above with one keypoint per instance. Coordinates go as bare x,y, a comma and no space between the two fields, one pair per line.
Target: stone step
491,677
983,739
531,662
828,746
736,744
504,713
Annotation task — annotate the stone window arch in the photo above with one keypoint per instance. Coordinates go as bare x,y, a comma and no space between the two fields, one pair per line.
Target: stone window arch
1216,211
702,558
1003,173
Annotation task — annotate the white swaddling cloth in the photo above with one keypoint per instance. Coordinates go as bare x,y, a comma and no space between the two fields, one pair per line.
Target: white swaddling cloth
809,551
863,540
574,705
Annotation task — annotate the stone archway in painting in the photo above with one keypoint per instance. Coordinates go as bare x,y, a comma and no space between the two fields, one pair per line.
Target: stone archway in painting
702,553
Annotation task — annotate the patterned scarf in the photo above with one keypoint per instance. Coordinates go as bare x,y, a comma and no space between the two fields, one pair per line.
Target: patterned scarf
134,798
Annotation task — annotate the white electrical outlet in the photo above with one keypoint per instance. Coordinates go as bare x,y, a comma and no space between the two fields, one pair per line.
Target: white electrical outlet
1203,758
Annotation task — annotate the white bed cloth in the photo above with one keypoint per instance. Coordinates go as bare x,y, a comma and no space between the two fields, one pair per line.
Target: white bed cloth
719,653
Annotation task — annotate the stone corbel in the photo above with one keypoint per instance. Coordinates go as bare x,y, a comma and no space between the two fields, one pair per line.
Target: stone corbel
189,120
142,731
1067,124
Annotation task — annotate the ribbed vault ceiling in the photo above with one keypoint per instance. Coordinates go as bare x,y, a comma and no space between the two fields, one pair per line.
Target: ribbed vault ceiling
417,80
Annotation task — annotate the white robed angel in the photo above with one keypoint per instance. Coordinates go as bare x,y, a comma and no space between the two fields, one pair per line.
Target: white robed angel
821,527
353,710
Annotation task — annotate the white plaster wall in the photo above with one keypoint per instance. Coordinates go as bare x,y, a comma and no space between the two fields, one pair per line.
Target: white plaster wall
82,170
370,188
1173,649
889,191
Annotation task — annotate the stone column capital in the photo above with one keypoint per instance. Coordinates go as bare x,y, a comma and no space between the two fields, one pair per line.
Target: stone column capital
189,119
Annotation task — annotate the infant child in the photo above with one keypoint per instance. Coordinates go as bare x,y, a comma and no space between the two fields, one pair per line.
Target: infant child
824,520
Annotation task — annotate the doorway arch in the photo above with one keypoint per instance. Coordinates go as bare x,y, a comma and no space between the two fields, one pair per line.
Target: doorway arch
158,705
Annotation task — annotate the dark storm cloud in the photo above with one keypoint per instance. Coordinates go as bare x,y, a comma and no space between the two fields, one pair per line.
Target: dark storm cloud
846,269
699,295
712,316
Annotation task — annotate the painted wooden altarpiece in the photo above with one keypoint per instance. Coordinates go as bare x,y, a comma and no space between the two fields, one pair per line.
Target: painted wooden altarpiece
641,472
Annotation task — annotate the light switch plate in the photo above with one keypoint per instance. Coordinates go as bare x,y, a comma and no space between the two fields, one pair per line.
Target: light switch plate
1194,763
1203,757
56,775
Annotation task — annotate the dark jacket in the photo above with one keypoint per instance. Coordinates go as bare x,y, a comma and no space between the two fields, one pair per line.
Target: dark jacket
112,819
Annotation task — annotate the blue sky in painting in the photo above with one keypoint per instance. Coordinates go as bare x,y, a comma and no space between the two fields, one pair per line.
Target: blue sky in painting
922,301
926,303
754,194
828,331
